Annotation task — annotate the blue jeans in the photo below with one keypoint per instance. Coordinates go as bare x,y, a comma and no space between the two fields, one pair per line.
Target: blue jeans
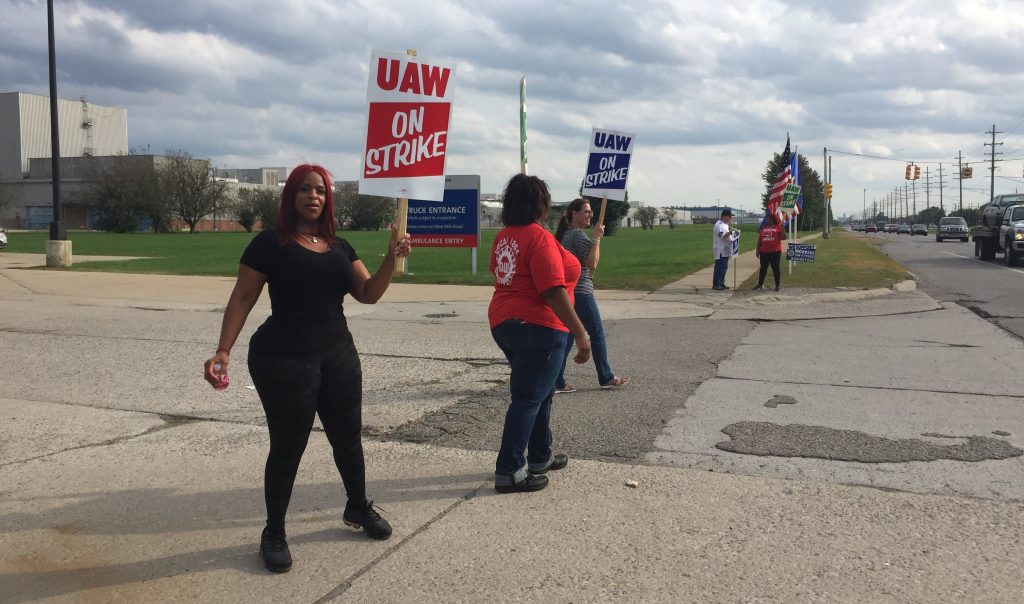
590,316
721,265
535,354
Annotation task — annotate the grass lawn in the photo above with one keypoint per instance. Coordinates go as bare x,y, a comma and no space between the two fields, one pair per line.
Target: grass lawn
630,259
842,260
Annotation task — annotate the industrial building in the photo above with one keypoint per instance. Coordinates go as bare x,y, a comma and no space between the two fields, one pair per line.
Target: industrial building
86,130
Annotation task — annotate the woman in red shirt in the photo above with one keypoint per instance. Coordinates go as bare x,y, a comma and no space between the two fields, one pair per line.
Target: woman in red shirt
530,312
769,249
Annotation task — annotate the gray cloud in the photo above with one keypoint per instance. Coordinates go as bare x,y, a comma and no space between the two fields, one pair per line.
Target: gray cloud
712,86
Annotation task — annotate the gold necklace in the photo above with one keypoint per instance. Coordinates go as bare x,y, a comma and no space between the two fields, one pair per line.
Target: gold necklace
312,237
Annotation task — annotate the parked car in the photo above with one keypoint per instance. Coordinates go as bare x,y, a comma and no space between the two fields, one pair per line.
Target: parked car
881,226
919,229
870,228
891,227
952,227
903,229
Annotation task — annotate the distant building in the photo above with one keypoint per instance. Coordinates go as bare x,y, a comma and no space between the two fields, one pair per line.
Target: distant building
257,176
85,131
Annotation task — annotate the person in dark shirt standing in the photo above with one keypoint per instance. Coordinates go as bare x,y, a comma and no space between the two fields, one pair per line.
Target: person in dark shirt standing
570,234
769,249
302,360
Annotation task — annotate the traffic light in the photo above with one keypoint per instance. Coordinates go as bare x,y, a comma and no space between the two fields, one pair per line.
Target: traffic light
828,190
917,172
907,175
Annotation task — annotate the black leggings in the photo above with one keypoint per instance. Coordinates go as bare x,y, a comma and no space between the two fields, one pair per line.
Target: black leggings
773,259
292,392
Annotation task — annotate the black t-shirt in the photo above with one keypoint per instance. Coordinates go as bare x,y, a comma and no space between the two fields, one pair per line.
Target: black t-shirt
306,292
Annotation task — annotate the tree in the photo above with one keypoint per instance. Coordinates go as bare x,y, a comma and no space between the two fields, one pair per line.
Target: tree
647,216
190,188
931,215
257,204
124,189
669,214
971,215
814,198
362,212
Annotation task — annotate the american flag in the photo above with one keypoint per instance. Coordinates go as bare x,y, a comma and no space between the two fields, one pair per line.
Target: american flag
778,188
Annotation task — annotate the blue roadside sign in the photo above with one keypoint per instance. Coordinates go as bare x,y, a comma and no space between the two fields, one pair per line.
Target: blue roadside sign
800,252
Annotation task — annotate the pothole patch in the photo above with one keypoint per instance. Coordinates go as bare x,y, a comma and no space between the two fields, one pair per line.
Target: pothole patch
821,442
780,399
441,315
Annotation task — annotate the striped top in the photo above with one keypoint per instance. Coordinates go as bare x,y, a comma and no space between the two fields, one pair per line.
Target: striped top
578,244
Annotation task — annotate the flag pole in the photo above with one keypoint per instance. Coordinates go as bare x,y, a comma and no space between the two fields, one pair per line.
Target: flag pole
522,125
793,215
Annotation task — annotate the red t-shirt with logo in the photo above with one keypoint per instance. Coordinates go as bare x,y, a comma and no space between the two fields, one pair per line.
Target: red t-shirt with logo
525,261
770,238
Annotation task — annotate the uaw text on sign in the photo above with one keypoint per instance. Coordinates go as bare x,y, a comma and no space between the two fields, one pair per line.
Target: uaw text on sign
608,164
409,103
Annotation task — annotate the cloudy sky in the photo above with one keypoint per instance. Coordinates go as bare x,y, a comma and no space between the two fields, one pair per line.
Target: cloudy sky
711,87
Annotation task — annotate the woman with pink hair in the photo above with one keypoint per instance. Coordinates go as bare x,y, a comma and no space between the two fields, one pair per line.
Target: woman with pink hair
302,359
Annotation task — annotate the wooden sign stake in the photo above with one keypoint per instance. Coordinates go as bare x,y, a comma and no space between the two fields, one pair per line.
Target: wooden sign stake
403,224
403,209
604,205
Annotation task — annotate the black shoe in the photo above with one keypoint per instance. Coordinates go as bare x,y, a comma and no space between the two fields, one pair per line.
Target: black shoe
274,551
776,288
527,485
758,286
717,287
558,461
363,515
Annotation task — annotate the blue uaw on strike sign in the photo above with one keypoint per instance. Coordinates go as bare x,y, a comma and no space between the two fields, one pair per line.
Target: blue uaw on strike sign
608,165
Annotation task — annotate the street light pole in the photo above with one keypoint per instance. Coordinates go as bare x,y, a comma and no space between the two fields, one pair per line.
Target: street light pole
58,248
58,232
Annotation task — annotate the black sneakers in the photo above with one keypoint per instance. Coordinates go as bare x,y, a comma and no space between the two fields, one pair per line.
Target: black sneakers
558,461
274,551
364,515
527,485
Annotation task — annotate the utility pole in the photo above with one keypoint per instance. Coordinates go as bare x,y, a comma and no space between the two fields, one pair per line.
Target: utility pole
960,177
824,204
864,204
906,202
927,187
913,192
942,209
992,168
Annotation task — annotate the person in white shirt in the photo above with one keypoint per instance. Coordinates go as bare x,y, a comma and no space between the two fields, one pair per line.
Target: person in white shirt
721,244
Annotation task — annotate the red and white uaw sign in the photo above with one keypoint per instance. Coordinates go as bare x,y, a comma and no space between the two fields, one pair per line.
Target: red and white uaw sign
409,107
608,164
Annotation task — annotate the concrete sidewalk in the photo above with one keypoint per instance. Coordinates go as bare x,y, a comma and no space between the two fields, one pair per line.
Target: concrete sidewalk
124,478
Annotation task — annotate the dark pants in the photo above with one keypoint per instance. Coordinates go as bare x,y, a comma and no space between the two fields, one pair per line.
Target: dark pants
721,266
769,259
293,391
590,316
535,354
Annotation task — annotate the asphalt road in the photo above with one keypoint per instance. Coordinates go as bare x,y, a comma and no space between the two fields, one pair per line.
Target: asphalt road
949,272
